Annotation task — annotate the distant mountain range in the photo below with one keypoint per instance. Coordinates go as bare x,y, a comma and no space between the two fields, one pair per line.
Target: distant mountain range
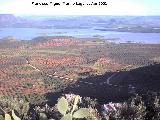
113,23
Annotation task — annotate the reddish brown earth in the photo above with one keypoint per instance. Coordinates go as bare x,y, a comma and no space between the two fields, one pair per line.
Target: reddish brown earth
24,70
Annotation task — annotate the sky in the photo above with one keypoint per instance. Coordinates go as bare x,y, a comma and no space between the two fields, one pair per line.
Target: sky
114,7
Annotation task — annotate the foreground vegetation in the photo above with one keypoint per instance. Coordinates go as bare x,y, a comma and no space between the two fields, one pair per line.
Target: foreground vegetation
70,106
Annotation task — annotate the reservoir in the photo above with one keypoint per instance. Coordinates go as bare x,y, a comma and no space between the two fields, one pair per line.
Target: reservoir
118,37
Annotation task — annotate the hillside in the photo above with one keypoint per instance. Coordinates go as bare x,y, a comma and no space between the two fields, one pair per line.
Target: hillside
138,24
52,64
38,72
143,79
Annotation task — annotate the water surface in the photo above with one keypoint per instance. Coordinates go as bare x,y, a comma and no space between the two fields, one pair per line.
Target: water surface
30,33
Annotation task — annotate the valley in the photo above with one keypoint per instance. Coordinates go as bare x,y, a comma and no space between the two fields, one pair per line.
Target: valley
67,64
79,67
